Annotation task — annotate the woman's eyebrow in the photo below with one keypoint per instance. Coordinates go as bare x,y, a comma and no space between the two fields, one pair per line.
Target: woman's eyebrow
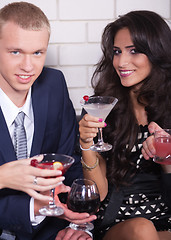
125,47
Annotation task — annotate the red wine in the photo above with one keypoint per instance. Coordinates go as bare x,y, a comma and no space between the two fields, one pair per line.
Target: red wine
84,205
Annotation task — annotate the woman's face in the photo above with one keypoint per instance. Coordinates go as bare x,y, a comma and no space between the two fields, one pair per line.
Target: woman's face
131,66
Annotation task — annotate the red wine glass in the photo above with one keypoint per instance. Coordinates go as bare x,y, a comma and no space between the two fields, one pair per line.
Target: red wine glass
83,197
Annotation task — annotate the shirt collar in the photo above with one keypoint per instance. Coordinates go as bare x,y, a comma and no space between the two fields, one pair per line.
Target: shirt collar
10,110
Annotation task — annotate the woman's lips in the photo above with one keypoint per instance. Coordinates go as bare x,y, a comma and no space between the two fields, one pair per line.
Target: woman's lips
125,73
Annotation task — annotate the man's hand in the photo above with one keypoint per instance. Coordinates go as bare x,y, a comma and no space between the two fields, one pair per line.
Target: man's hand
69,215
71,234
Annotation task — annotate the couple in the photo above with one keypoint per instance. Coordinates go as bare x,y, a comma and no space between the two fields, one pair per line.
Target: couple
132,70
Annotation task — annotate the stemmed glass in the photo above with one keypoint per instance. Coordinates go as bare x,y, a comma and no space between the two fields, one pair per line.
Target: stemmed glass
53,161
99,106
162,142
83,197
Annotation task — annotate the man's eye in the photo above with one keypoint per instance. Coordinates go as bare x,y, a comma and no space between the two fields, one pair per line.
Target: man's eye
37,53
15,52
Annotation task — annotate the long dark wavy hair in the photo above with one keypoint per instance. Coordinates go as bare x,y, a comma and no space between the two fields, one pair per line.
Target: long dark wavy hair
151,36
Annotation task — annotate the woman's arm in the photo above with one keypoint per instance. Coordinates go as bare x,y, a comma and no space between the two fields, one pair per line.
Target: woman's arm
94,166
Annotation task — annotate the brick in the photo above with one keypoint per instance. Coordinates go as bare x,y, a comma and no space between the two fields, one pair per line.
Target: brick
85,54
95,30
90,74
68,32
52,57
86,9
75,76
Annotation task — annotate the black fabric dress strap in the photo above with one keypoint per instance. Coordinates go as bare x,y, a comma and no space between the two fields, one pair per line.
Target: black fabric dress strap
115,200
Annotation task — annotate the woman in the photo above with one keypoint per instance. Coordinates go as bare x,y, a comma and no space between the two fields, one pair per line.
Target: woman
136,69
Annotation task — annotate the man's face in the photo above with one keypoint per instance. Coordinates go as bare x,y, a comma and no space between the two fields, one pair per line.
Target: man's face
22,56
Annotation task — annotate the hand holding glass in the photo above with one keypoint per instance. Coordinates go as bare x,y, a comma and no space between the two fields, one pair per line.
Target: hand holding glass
99,106
53,161
162,142
83,197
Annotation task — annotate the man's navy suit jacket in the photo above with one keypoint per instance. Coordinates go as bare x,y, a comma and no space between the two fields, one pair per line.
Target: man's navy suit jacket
55,131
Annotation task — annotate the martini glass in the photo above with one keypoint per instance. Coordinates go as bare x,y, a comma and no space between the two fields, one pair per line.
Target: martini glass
53,161
83,197
99,106
162,143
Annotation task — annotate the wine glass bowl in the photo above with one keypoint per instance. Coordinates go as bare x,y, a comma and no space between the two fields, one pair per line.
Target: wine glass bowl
83,197
162,143
53,161
49,160
99,106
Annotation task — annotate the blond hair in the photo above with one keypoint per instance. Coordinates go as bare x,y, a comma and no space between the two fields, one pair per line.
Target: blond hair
25,15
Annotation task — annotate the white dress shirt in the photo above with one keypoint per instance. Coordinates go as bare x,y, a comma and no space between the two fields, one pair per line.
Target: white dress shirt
10,112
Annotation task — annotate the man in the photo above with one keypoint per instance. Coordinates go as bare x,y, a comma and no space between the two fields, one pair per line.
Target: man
41,95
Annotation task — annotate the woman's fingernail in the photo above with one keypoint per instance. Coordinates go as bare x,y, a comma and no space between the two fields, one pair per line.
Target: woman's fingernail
62,178
100,120
153,151
105,124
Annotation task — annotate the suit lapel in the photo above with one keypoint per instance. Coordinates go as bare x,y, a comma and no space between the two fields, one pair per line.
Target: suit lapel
6,145
40,108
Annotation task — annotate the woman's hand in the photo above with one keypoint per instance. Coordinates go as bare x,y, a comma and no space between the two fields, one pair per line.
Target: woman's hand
71,234
148,149
88,127
21,176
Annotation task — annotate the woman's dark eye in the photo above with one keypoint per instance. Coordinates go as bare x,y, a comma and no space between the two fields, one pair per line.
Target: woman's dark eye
134,51
116,51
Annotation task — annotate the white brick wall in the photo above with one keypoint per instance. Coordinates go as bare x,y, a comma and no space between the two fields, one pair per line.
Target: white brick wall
76,27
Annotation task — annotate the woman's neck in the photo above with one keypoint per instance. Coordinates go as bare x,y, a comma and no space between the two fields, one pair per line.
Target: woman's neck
139,110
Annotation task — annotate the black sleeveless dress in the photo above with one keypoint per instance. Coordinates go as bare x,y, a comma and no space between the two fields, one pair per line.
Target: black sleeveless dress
142,198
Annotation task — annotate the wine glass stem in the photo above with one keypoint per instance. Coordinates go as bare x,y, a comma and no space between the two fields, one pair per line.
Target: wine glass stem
52,194
100,136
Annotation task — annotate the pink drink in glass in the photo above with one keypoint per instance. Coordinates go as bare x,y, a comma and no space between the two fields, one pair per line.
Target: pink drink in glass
53,161
163,147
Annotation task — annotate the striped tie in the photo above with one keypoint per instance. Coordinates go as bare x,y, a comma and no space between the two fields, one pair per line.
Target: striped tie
20,141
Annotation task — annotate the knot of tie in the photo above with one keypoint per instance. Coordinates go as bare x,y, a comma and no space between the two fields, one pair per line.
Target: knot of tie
19,120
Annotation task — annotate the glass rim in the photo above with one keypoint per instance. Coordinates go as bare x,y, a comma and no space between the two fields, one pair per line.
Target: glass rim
76,181
72,160
83,102
166,130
